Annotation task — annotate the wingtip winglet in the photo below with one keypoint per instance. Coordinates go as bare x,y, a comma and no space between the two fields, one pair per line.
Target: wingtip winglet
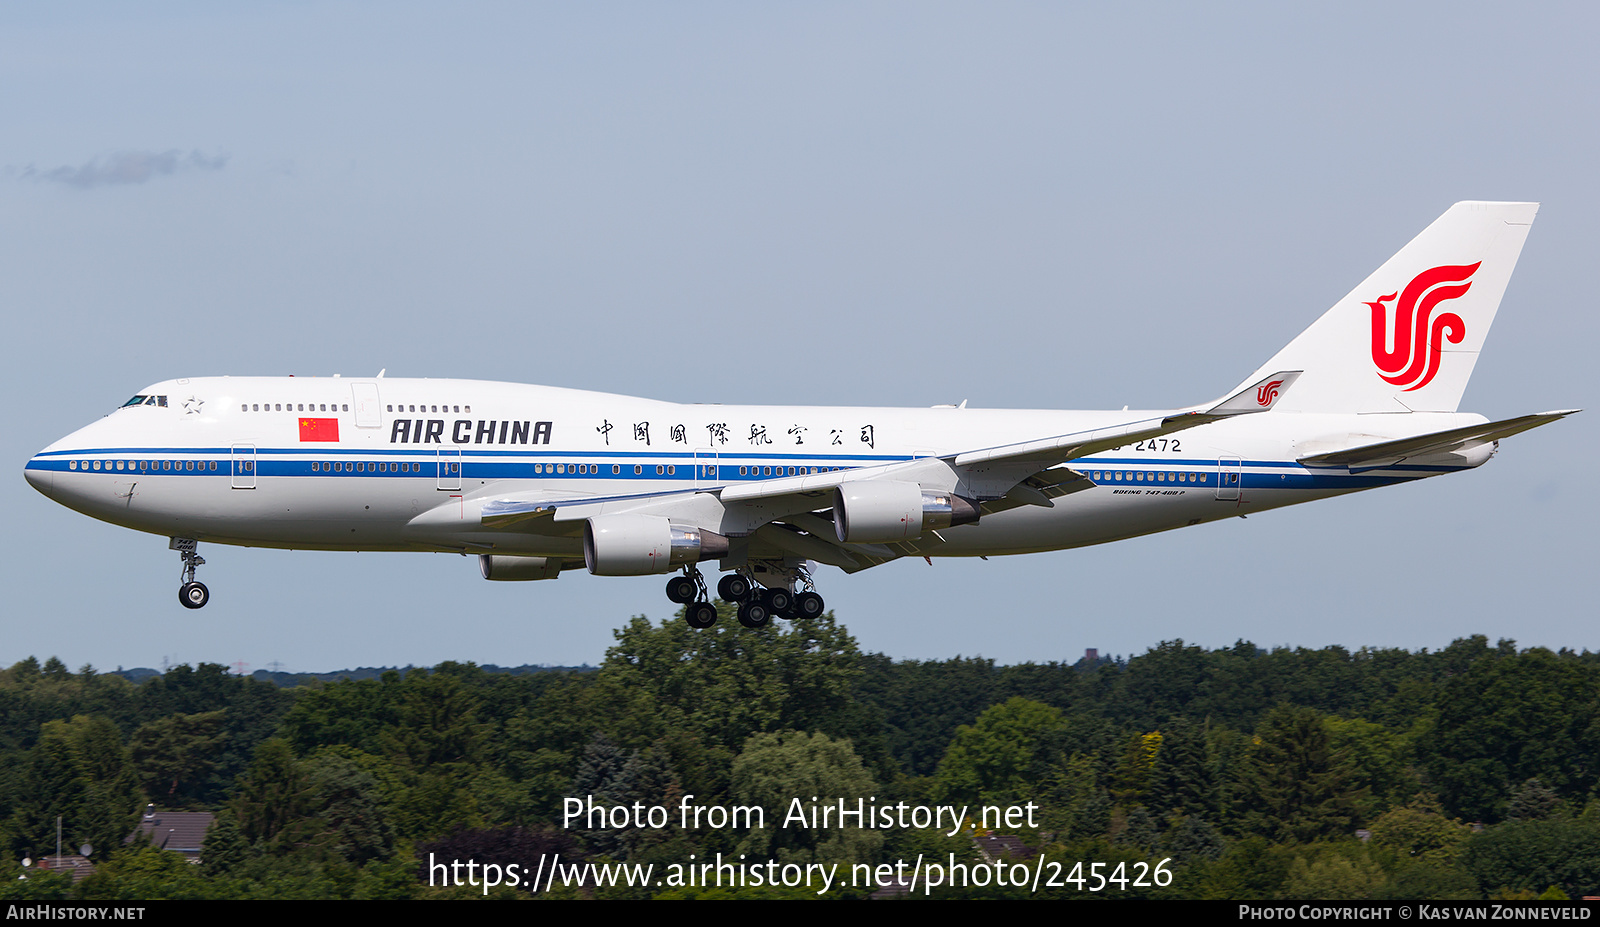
1260,396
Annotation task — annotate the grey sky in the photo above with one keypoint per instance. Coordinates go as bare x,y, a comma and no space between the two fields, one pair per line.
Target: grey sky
878,204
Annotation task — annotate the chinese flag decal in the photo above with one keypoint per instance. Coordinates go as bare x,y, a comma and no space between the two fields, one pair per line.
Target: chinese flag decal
319,429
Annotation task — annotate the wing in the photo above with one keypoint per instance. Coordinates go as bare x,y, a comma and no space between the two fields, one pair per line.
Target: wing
788,512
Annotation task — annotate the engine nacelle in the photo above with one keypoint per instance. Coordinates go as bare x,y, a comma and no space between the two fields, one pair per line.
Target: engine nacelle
883,511
638,545
501,568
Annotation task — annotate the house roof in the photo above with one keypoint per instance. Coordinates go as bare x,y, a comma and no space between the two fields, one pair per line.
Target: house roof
181,831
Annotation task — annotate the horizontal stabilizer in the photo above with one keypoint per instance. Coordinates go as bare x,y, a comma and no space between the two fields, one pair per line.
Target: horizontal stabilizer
1439,442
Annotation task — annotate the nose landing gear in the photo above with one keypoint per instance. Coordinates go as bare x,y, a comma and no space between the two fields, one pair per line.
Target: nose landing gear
192,594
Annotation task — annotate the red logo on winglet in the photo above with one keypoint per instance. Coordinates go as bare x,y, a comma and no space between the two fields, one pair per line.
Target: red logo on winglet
1267,392
319,429
1419,340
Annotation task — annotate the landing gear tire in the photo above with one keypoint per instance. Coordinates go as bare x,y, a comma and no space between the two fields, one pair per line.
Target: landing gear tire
194,595
733,588
753,614
682,589
808,605
701,615
777,601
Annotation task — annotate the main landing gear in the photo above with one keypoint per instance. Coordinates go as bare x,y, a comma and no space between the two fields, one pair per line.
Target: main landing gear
757,606
689,590
192,594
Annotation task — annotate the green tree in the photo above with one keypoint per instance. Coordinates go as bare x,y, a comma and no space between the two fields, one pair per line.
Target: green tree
776,770
176,754
1420,830
145,873
1509,719
1297,787
1529,856
1533,802
355,822
997,759
729,682
1184,776
1345,874
274,801
79,771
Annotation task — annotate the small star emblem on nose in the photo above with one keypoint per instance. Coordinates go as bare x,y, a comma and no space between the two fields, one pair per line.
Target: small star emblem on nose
191,406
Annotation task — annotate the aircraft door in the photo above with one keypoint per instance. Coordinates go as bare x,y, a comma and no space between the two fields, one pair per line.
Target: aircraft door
705,467
449,468
365,399
244,466
1230,478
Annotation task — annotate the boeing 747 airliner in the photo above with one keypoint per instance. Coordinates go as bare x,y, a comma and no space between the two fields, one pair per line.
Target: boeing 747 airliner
537,479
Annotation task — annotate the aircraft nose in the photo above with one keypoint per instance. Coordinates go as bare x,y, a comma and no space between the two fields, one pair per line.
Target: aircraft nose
39,477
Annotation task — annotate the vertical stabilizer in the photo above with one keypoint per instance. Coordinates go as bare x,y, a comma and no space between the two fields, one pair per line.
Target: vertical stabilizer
1407,338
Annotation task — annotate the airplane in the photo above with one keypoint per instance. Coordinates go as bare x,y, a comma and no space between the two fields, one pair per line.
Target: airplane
538,480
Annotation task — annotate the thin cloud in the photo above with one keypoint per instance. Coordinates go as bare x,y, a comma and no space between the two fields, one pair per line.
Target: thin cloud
127,167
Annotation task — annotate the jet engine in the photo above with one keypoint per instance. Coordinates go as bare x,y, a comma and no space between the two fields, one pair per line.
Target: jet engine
883,511
637,545
502,568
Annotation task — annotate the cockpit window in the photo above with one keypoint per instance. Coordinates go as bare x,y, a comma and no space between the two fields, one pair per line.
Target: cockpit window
146,401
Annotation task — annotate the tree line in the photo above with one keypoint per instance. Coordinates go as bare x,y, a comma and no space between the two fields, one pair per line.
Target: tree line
1466,772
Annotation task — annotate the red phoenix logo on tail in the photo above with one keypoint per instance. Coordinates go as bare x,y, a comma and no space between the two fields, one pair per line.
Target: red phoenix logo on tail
1267,392
1418,339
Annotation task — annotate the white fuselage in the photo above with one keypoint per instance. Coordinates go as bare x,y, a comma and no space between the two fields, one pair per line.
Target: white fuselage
342,464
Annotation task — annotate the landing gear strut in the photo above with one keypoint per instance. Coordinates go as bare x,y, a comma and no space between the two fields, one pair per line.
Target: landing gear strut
757,606
192,594
808,604
689,590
